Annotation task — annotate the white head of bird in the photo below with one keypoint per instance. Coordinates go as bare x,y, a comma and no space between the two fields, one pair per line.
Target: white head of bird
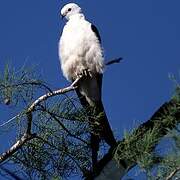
70,10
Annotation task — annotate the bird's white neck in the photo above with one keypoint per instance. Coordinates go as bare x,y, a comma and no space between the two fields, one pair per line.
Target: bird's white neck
77,16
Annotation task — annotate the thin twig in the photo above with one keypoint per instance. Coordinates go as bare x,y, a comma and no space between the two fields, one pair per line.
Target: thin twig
173,173
7,122
66,152
10,173
64,128
114,61
26,83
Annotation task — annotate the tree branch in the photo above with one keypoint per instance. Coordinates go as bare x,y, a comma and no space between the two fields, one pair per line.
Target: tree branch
42,98
118,60
16,146
10,173
173,173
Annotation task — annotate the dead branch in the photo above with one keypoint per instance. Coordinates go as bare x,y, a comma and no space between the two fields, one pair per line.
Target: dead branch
173,173
53,93
114,61
25,138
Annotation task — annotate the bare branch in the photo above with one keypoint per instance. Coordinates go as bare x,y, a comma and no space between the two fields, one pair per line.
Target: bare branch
10,173
173,173
10,120
16,146
53,93
114,61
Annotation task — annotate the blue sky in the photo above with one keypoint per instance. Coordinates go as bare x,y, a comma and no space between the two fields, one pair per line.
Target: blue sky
145,33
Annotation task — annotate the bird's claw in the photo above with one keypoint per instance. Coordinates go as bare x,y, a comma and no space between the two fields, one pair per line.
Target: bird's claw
84,73
87,72
79,76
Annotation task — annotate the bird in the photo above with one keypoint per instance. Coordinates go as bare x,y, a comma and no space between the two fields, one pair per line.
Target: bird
81,55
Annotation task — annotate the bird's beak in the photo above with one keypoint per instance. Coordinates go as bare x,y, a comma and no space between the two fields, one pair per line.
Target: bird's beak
62,16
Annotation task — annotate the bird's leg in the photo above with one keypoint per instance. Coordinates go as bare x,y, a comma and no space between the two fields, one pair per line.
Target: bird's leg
79,75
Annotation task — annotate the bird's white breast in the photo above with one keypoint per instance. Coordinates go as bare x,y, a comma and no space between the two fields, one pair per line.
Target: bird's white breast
79,49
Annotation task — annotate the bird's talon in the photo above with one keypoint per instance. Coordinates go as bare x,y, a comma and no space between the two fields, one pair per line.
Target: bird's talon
90,74
79,76
87,72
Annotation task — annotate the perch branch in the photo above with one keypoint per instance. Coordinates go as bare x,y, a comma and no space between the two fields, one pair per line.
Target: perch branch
53,93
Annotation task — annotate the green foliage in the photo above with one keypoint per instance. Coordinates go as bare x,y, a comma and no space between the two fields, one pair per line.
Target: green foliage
19,86
62,145
137,149
137,146
171,161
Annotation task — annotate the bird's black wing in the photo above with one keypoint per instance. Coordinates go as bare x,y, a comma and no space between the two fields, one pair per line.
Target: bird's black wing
95,30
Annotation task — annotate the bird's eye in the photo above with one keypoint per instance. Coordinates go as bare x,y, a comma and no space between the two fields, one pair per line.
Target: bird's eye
69,9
